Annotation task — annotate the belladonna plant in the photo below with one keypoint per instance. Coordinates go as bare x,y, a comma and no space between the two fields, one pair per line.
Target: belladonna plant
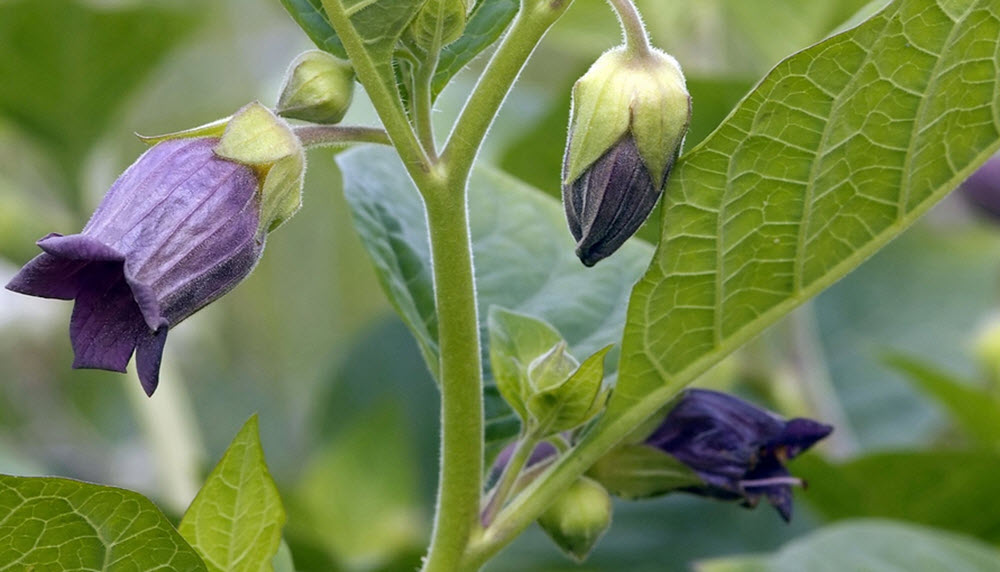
833,154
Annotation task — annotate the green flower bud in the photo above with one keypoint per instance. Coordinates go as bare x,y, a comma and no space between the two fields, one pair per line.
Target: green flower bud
318,88
552,368
573,396
578,518
630,115
439,23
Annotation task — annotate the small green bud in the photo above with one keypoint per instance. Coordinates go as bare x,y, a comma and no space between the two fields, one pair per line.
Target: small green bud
318,88
630,115
578,518
574,400
439,23
552,368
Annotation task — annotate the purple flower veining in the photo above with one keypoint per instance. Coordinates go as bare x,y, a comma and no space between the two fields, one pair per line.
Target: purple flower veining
737,449
175,232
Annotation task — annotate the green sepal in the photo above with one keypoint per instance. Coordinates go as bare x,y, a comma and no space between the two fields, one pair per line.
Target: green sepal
575,401
661,113
635,471
551,369
600,116
516,340
578,518
214,129
318,88
257,137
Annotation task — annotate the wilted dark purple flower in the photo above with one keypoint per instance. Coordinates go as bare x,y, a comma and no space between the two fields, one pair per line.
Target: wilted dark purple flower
737,449
176,231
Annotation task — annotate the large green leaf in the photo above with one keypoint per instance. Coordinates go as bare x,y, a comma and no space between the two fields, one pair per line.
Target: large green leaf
955,490
837,151
871,546
235,521
66,69
58,524
523,257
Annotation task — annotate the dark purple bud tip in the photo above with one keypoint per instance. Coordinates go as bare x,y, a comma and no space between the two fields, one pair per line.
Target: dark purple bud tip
737,449
608,203
176,231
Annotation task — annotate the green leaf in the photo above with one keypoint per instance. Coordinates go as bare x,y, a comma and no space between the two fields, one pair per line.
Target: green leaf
515,340
573,402
835,153
975,410
954,490
65,72
235,521
309,15
486,24
869,545
57,524
524,261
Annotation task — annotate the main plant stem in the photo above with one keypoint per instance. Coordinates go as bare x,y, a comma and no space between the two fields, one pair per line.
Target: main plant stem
460,481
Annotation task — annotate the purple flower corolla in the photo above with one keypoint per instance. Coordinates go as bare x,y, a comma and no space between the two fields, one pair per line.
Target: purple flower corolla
737,449
175,232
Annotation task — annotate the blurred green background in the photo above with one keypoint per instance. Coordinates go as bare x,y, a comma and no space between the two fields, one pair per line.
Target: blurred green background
347,409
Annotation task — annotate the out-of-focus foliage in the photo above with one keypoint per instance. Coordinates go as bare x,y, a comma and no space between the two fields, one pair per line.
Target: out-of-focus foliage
868,545
347,407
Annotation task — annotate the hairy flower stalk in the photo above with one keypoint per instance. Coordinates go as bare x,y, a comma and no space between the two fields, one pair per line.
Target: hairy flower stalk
180,228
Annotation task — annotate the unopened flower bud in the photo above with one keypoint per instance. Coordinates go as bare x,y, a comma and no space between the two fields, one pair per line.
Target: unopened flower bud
551,368
630,115
439,23
318,88
578,518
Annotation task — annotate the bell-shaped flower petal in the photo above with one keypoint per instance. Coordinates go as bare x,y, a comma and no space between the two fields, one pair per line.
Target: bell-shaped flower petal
175,232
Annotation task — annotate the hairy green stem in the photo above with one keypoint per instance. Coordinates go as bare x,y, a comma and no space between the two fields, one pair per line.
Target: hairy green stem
522,452
460,481
325,135
636,39
533,20
384,98
423,102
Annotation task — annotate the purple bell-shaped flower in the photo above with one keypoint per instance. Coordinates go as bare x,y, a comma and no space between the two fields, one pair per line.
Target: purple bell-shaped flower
180,228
